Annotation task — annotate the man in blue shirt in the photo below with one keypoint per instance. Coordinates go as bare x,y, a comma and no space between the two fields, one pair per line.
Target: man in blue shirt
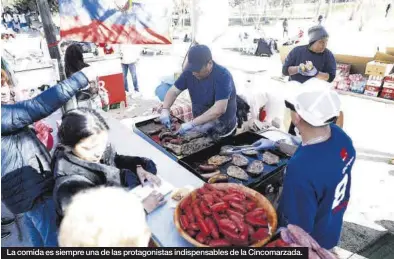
212,92
317,181
323,64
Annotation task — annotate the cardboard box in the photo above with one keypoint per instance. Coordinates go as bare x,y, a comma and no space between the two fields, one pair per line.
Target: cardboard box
389,82
358,64
372,90
387,93
390,51
375,68
375,80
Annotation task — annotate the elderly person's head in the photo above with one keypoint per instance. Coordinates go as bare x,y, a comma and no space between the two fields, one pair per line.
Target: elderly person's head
318,38
104,217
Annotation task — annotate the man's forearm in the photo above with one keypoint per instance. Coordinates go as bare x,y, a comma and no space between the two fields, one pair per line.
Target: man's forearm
323,76
170,98
212,114
292,70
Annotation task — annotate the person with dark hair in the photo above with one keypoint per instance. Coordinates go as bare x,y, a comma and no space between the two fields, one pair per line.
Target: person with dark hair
75,62
320,19
84,159
26,178
387,10
285,28
212,92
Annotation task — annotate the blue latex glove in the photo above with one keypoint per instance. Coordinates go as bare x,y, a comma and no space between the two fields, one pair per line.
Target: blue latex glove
185,127
165,118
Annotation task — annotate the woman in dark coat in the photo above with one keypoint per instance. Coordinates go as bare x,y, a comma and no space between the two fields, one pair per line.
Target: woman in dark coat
26,177
84,159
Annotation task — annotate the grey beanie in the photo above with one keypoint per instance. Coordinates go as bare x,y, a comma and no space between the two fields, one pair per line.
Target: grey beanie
316,33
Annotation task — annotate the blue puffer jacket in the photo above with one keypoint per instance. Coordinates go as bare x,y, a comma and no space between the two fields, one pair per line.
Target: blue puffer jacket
25,162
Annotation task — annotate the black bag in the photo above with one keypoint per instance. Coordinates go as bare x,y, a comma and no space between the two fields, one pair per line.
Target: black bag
243,109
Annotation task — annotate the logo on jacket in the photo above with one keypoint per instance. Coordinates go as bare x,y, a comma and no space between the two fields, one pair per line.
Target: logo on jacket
344,154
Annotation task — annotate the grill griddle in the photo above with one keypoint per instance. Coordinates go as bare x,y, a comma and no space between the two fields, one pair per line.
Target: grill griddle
192,162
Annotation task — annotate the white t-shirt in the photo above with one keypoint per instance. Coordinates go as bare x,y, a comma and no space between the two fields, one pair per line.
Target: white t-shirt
130,53
22,18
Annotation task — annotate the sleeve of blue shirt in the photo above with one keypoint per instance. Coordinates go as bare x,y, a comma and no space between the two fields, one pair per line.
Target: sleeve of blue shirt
290,61
181,82
223,87
299,199
330,66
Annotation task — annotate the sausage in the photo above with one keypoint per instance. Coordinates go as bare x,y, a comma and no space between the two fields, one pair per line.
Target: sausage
235,213
202,191
201,237
210,187
221,178
237,191
165,140
221,206
189,213
207,168
250,205
209,175
250,229
216,217
239,207
257,213
232,197
212,226
234,238
208,198
244,231
185,202
227,224
194,226
203,226
239,223
257,222
197,212
184,222
260,234
219,243
204,209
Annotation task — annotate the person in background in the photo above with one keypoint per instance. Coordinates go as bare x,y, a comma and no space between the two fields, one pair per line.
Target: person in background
8,19
84,159
388,10
26,178
285,28
74,62
129,57
311,61
85,223
317,179
15,22
23,23
212,92
320,20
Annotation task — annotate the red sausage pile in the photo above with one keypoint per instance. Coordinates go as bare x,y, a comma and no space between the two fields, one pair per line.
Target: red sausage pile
220,218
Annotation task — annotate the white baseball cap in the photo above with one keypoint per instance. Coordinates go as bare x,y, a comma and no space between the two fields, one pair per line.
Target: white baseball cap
315,102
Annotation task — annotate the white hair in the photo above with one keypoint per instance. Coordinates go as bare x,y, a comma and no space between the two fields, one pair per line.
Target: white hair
104,217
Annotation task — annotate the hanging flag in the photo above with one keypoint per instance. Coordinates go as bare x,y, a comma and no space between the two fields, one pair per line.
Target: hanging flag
116,21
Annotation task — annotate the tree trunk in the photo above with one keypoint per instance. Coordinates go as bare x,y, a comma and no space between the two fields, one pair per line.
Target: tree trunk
319,3
356,9
329,9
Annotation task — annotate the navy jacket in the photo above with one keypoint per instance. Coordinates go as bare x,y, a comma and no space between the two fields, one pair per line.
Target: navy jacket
324,62
25,162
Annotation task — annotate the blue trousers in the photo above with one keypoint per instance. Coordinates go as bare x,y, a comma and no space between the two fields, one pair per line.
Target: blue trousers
41,224
132,68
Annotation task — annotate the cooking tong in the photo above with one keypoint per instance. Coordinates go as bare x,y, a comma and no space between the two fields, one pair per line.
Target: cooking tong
260,144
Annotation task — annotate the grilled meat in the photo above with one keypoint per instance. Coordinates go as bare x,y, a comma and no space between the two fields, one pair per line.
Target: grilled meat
255,168
218,160
270,158
240,160
237,172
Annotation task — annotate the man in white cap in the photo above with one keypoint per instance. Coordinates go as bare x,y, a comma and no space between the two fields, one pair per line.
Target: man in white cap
316,187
